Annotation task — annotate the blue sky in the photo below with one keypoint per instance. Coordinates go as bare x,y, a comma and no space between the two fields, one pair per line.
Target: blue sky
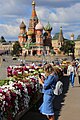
65,13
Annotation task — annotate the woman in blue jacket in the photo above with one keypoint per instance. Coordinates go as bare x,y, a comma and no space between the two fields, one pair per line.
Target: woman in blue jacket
51,78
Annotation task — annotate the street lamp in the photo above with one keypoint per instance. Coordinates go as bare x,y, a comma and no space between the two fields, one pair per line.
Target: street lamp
73,56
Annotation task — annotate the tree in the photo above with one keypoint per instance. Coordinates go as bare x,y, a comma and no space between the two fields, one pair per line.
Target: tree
16,49
78,38
2,39
52,52
68,47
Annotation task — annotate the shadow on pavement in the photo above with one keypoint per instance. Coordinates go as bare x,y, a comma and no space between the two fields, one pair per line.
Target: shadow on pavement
59,100
34,114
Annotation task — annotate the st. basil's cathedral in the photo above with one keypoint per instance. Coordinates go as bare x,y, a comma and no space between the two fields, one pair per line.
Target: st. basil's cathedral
34,41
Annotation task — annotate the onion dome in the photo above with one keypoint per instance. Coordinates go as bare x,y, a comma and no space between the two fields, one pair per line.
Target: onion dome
33,2
61,28
22,25
72,35
29,32
48,27
39,26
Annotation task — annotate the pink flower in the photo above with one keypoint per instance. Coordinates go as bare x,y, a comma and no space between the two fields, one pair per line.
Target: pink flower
1,91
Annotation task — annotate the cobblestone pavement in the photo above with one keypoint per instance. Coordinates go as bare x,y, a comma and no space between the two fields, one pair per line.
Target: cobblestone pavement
4,64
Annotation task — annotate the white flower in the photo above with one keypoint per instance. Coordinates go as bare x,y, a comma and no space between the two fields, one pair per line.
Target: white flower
4,102
5,90
10,83
25,90
0,94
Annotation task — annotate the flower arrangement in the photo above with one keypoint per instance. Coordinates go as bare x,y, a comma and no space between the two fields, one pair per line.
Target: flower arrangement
10,95
19,90
27,70
15,95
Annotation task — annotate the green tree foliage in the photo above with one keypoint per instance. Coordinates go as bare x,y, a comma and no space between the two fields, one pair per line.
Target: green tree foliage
52,51
16,49
29,45
68,46
2,39
78,38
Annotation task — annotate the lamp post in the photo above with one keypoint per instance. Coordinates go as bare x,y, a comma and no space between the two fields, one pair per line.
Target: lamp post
73,56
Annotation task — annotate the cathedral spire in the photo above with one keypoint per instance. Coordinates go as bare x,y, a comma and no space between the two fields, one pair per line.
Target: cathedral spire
33,9
33,2
61,38
33,20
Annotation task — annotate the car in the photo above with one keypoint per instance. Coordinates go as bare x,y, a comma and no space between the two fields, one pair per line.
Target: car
4,59
14,58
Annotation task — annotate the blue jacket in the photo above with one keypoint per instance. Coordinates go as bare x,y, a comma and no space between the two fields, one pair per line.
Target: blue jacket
49,81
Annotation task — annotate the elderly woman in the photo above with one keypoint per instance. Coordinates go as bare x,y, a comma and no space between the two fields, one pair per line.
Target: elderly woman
51,78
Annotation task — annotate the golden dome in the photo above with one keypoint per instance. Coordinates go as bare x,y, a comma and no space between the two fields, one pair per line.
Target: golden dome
72,35
33,2
29,32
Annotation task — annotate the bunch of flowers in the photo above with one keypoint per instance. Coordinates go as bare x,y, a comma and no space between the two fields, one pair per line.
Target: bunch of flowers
18,94
15,96
21,70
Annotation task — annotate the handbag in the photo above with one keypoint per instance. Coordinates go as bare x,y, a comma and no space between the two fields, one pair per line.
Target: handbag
58,88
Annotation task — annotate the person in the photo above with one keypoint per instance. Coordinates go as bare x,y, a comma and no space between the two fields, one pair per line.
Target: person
78,72
72,73
48,96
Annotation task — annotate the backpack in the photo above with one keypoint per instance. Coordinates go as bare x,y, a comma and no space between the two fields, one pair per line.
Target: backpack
58,88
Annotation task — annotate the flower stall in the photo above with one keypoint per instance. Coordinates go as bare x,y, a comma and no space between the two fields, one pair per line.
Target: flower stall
19,91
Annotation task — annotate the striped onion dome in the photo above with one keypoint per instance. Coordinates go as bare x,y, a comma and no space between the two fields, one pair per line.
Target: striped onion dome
48,27
39,26
22,25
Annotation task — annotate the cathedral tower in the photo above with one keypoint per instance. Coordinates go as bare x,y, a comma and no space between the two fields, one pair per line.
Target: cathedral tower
72,36
22,34
47,35
61,38
39,38
33,21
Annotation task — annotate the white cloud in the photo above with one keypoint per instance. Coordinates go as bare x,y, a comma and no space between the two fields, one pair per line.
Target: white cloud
68,18
63,13
9,31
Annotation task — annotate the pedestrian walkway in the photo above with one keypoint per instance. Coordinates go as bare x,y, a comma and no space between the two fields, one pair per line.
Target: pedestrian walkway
67,106
71,105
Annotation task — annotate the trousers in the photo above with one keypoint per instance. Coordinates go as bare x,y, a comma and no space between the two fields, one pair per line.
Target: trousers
72,77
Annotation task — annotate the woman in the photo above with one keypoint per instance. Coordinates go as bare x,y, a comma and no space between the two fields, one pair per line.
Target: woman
72,73
51,78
